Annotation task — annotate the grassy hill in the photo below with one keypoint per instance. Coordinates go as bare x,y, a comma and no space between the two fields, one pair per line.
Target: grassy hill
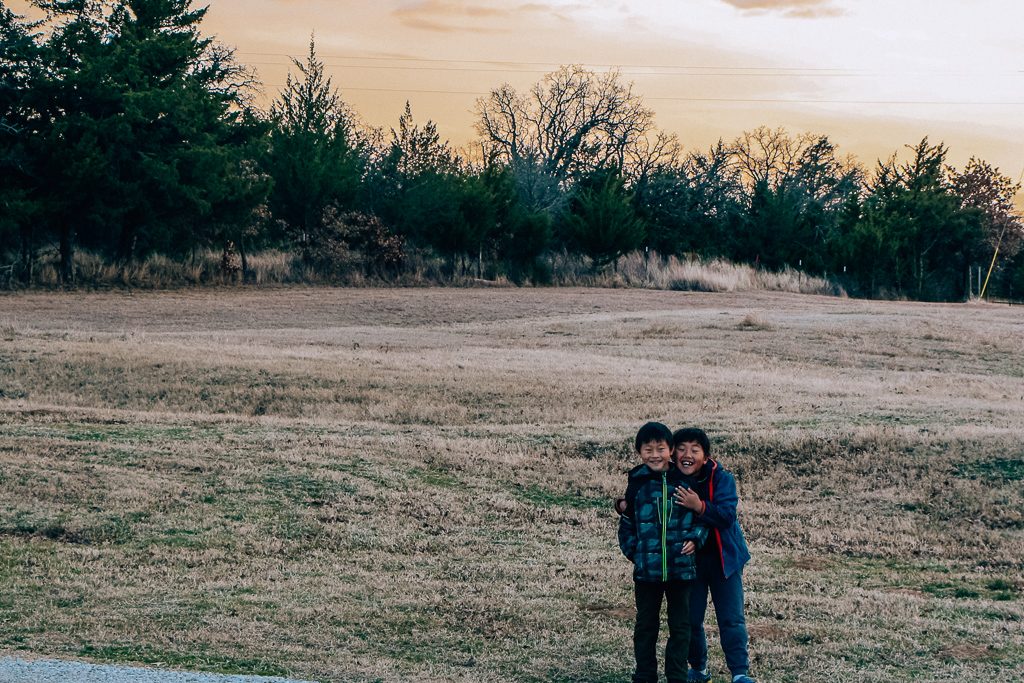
380,485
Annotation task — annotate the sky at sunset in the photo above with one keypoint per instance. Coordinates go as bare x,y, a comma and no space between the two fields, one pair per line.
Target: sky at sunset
873,75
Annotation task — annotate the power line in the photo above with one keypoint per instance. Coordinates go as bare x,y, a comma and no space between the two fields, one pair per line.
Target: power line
766,100
701,74
556,65
506,66
795,101
678,70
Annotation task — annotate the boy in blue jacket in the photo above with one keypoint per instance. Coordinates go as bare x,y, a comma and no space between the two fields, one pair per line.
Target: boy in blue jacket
660,539
713,498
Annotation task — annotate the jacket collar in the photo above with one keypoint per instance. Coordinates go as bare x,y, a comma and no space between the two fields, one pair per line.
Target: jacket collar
707,470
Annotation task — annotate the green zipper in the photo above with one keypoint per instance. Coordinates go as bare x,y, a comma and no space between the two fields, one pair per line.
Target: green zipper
664,527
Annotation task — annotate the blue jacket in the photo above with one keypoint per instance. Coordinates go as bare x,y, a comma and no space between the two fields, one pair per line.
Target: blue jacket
653,529
717,488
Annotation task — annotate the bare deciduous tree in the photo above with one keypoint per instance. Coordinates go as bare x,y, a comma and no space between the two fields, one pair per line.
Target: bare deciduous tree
652,153
981,186
572,121
769,156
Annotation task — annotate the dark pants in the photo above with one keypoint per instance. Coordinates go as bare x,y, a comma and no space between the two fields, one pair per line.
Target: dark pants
648,621
727,597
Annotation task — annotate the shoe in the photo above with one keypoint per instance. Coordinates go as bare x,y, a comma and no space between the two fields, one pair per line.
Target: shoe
743,679
695,676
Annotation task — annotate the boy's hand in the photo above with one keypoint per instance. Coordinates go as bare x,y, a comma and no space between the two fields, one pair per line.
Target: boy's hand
688,499
620,505
689,548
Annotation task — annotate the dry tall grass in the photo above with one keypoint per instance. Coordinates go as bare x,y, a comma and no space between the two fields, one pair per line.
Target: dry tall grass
274,267
379,485
160,272
650,270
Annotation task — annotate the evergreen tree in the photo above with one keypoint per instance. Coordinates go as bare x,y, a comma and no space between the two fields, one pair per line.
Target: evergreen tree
601,221
519,235
141,144
316,157
20,207
915,239
431,196
796,191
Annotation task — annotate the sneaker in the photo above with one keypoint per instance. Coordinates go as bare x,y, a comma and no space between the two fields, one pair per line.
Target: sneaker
744,678
695,676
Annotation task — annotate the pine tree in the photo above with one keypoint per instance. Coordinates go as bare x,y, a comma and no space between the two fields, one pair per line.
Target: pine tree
315,156
142,137
601,221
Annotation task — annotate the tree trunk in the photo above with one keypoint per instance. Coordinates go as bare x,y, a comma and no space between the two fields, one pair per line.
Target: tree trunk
126,245
245,260
920,275
67,256
27,257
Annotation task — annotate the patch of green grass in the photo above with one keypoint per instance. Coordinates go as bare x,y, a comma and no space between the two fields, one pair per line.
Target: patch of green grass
541,497
305,489
996,589
590,674
1001,616
879,571
996,469
114,456
370,472
591,450
202,660
87,435
434,478
108,529
68,602
180,538
90,432
151,433
948,590
113,529
1000,585
25,524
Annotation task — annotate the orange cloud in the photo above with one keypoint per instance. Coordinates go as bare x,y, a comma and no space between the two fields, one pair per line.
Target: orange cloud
798,9
451,15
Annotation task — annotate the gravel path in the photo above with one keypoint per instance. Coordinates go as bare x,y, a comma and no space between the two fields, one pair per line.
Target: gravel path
14,670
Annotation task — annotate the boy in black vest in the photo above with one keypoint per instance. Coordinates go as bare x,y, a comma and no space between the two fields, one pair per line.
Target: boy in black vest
659,538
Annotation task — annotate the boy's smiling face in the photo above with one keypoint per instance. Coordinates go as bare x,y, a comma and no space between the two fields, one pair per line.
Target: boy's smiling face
656,454
690,457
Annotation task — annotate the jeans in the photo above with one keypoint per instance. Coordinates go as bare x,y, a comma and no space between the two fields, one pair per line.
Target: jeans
727,597
648,621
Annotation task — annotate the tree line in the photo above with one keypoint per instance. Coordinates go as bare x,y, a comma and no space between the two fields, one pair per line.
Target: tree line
125,131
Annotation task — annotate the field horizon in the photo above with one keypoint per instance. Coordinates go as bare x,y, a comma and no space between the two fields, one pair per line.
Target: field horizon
415,484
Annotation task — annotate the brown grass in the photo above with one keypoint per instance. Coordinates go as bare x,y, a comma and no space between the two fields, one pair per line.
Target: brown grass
360,485
651,271
275,267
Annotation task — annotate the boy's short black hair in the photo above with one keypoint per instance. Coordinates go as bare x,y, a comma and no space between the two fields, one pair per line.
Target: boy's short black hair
692,434
653,431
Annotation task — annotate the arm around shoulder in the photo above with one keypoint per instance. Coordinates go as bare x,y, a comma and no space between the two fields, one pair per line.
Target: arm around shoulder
627,537
699,534
720,511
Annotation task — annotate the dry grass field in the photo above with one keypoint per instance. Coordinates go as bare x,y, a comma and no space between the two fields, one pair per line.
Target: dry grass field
415,485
